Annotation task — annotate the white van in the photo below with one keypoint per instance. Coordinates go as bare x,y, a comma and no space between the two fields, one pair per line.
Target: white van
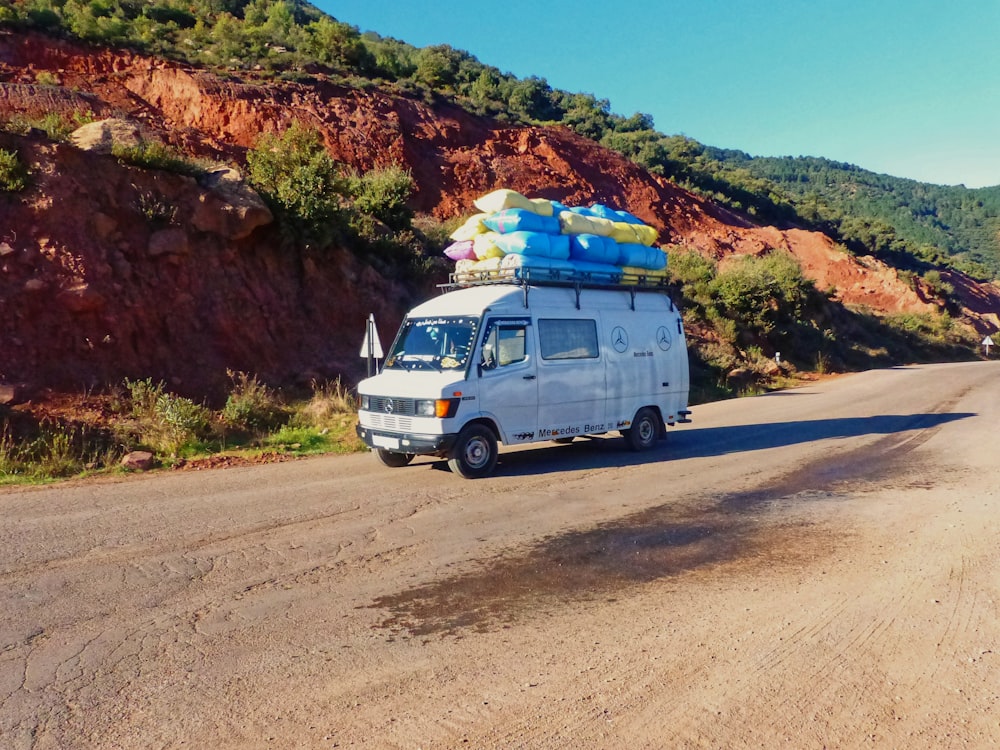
520,363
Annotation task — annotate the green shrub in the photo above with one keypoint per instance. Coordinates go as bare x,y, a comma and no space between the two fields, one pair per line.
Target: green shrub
185,420
938,285
300,182
762,293
252,406
165,422
46,78
157,210
383,193
57,125
13,175
142,396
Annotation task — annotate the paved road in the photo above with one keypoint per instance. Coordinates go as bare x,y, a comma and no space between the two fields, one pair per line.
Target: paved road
807,568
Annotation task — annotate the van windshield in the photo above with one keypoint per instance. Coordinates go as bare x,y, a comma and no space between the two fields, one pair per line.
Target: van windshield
441,343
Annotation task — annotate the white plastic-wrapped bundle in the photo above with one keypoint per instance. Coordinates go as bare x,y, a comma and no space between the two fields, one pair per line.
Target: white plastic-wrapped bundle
536,263
574,222
534,243
521,220
593,248
503,198
477,270
641,256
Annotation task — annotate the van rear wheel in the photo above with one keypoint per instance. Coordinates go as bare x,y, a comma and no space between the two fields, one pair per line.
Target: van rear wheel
645,429
475,452
395,460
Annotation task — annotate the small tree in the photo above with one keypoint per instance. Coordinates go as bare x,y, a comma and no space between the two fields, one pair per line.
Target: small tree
300,182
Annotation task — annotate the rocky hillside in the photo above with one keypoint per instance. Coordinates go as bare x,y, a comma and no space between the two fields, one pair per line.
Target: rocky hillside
108,270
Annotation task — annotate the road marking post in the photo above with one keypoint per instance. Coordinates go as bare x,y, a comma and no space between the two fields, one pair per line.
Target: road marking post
371,347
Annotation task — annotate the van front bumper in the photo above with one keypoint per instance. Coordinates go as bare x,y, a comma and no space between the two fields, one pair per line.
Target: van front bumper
406,442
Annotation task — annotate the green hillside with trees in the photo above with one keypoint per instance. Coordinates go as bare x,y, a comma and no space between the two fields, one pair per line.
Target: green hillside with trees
909,224
936,223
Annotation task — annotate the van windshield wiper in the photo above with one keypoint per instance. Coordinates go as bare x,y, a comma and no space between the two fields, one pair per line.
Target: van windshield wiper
415,360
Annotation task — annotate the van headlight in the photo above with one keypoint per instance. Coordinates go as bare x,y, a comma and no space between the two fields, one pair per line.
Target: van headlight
365,402
441,408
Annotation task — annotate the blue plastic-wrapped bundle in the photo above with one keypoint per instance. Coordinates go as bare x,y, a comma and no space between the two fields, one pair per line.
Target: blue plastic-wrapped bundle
536,263
537,244
641,256
521,220
593,248
602,273
599,209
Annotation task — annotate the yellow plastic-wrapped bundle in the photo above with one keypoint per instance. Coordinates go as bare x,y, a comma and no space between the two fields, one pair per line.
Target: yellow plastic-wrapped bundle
472,226
503,198
574,223
485,246
660,273
628,233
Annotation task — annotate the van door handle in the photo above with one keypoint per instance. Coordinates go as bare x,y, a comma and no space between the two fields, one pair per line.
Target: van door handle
529,377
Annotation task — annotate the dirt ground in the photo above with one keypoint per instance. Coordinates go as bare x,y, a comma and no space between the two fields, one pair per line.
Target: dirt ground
811,568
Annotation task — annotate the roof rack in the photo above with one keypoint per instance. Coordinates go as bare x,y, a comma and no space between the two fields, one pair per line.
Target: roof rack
526,278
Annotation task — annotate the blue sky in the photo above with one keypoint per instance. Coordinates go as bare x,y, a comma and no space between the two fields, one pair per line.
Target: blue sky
911,89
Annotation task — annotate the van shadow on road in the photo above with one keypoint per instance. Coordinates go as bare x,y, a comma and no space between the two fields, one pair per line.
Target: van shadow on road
701,442
605,561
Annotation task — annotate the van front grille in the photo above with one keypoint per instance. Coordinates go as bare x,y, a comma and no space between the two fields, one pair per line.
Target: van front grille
399,406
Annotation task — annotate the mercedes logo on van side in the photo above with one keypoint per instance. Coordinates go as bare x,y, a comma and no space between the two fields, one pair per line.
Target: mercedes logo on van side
388,406
663,339
619,339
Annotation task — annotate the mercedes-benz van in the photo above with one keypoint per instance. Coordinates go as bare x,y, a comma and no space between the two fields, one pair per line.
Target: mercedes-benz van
514,363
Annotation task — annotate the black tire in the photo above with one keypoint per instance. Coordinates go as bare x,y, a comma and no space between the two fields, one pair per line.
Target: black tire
562,441
395,460
475,452
644,432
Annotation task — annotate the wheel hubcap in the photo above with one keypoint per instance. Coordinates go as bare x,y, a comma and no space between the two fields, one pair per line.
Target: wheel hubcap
475,453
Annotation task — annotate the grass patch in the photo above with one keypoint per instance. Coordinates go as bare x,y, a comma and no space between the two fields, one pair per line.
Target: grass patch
51,450
156,155
255,424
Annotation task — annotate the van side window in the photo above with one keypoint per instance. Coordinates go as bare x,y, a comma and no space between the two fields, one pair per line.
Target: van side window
504,346
568,339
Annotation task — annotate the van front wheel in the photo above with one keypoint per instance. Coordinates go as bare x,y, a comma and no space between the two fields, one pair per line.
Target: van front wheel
395,460
645,429
475,452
